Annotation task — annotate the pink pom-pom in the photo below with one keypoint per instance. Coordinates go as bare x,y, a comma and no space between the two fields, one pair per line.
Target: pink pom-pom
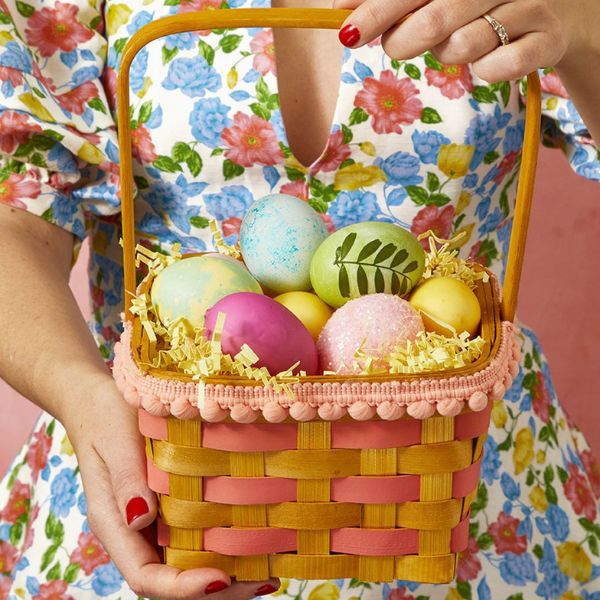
243,413
152,404
300,411
390,411
516,352
497,392
478,401
182,409
361,411
449,407
507,381
131,395
513,368
212,412
420,409
274,413
331,412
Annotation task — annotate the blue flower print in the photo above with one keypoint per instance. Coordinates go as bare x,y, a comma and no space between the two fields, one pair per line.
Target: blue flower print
401,168
492,221
353,207
193,76
137,73
64,210
64,489
15,57
510,487
183,41
106,580
142,18
481,133
517,569
514,137
231,201
557,522
490,462
208,119
555,583
427,145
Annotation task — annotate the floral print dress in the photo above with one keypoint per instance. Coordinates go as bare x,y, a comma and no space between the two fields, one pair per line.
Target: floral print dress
417,143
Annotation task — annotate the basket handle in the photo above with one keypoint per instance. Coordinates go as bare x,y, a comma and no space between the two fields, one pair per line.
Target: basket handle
303,18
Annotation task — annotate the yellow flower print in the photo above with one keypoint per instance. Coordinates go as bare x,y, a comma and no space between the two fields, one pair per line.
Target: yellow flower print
232,78
293,163
454,159
36,107
463,201
523,452
65,446
357,176
325,591
453,594
116,16
90,153
570,596
368,148
538,499
540,457
574,562
499,414
285,584
5,37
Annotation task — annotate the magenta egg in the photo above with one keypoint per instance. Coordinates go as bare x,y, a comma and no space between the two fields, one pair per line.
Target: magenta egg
273,332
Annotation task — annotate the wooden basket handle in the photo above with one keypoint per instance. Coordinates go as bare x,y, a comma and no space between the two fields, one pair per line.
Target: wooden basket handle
302,18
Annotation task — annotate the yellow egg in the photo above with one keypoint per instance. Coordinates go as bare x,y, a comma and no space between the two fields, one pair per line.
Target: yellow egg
309,308
445,303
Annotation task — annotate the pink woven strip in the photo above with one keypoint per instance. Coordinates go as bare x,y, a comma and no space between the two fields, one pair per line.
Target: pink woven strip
234,437
375,434
376,490
465,481
158,481
375,542
459,538
249,490
151,426
249,542
472,424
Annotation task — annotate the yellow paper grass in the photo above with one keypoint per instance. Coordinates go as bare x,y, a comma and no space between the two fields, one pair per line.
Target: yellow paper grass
443,262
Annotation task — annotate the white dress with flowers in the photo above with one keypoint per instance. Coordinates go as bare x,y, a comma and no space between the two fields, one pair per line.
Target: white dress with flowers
417,143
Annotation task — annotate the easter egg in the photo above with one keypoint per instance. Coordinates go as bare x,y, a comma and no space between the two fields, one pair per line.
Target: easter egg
366,258
447,304
309,308
189,287
275,335
278,236
378,322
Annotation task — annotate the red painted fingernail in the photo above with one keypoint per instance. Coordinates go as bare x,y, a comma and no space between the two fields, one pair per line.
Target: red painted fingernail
265,590
215,586
349,35
135,508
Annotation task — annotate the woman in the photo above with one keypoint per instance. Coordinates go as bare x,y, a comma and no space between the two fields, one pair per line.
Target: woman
425,142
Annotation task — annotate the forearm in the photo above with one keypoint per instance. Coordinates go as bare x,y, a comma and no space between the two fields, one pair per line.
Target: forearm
46,350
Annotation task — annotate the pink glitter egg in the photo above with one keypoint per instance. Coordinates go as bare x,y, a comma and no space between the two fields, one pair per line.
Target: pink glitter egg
273,332
378,322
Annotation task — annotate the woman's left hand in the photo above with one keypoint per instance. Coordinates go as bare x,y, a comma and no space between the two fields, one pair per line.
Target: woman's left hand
542,33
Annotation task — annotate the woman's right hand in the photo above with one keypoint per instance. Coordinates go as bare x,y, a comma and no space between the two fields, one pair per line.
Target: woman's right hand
110,451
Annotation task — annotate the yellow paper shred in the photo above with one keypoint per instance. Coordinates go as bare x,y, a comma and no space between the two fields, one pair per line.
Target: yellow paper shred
220,244
443,262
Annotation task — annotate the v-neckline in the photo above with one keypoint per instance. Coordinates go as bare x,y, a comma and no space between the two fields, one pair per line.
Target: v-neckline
334,126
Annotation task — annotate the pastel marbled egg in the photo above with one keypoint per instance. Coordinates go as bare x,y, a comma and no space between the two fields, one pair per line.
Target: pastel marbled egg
189,287
278,238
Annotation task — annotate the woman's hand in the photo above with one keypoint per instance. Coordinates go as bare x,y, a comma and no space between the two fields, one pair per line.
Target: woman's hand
110,452
542,33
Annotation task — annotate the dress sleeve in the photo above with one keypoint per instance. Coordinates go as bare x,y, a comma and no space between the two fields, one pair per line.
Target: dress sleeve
58,145
563,128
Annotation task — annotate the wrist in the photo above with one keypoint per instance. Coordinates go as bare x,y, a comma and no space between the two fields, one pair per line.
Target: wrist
583,49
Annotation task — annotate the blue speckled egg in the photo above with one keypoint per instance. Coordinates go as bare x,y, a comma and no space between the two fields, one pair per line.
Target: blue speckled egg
189,287
278,237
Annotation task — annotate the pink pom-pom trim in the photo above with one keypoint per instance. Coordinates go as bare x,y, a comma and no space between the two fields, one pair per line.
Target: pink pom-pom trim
361,411
478,401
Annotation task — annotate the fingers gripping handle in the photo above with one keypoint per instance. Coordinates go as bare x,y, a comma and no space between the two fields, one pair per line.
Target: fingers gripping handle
301,18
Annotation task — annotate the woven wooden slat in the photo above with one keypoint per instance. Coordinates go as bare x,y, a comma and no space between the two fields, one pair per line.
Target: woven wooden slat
429,569
442,514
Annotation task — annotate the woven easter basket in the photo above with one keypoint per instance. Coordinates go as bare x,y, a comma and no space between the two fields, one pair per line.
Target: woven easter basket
366,477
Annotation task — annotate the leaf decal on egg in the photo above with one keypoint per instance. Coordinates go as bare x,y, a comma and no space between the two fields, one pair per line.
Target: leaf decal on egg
362,280
379,281
369,249
344,282
385,253
347,245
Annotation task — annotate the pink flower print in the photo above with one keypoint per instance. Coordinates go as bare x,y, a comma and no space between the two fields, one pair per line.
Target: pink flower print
52,29
12,75
298,188
89,553
196,5
251,140
142,146
592,470
328,222
15,129
469,564
390,101
45,81
92,138
231,226
453,80
75,100
400,593
263,48
476,256
16,187
334,155
109,81
504,534
577,490
5,585
53,590
439,220
37,454
506,166
18,502
8,557
541,398
552,84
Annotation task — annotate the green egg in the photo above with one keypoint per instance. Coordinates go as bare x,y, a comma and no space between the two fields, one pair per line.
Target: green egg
366,258
189,287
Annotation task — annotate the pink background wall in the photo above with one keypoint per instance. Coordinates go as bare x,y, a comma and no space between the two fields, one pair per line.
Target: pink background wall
560,299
